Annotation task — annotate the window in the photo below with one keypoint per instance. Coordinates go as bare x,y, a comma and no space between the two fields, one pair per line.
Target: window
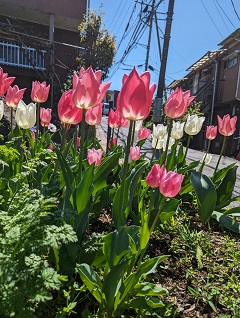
232,62
26,57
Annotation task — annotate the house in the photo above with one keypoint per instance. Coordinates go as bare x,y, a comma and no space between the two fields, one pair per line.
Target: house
215,81
39,40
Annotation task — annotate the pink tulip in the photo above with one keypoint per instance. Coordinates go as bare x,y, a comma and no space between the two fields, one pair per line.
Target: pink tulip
112,141
211,132
177,103
143,133
227,125
5,82
155,175
135,98
14,95
68,113
45,116
170,184
94,115
40,91
135,153
33,135
94,156
124,122
88,91
50,147
114,119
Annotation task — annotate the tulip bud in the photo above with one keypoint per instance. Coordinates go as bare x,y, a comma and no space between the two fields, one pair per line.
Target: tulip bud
159,131
170,184
177,130
40,91
207,158
155,175
193,124
135,98
94,156
227,125
135,153
177,103
211,132
25,115
45,116
143,133
5,82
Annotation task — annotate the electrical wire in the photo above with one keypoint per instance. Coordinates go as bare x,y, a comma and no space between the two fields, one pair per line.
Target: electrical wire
221,16
235,9
225,14
211,19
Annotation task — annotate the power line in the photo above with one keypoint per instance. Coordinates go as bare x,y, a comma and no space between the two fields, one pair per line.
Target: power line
225,14
211,19
235,9
221,16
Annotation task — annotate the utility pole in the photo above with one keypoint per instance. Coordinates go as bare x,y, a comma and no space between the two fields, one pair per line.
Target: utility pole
161,80
149,34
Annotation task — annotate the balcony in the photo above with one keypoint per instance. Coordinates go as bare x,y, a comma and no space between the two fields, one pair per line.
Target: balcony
22,56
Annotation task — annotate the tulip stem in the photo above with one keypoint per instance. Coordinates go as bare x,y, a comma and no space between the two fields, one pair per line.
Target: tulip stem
112,134
133,132
221,153
117,134
187,147
125,164
82,142
167,143
38,115
63,141
204,158
12,121
157,216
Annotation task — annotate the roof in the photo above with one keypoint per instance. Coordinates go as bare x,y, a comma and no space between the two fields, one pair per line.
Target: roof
176,83
206,59
235,34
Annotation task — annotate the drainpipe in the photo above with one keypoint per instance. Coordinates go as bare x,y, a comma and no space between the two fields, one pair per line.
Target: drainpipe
237,85
214,91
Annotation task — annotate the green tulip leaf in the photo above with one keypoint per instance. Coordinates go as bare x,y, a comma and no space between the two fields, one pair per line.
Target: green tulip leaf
205,193
220,174
227,221
91,279
150,289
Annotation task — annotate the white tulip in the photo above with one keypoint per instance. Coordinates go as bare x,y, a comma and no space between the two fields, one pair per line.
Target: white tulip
25,115
159,131
193,125
1,109
177,130
162,143
157,143
207,158
170,143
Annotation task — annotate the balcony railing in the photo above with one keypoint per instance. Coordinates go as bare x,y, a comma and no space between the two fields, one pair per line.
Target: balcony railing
22,56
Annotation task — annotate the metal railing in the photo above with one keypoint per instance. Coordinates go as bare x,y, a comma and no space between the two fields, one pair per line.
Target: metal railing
22,56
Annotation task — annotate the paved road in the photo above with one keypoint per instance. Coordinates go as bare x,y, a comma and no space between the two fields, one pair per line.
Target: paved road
192,155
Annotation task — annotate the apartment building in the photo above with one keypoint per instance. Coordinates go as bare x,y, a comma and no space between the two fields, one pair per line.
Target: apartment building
214,79
39,40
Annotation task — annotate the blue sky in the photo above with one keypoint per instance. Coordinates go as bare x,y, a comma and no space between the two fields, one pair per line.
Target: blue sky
198,26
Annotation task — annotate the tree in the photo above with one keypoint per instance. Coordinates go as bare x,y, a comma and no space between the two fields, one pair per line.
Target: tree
99,44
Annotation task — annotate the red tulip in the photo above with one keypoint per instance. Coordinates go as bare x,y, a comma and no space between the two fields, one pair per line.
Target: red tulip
135,153
124,122
211,132
40,91
114,119
143,133
94,115
68,113
14,95
177,103
5,82
155,175
78,141
170,184
88,91
94,156
227,125
135,98
45,116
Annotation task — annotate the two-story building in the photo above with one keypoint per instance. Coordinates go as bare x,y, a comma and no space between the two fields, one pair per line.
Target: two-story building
39,40
214,80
